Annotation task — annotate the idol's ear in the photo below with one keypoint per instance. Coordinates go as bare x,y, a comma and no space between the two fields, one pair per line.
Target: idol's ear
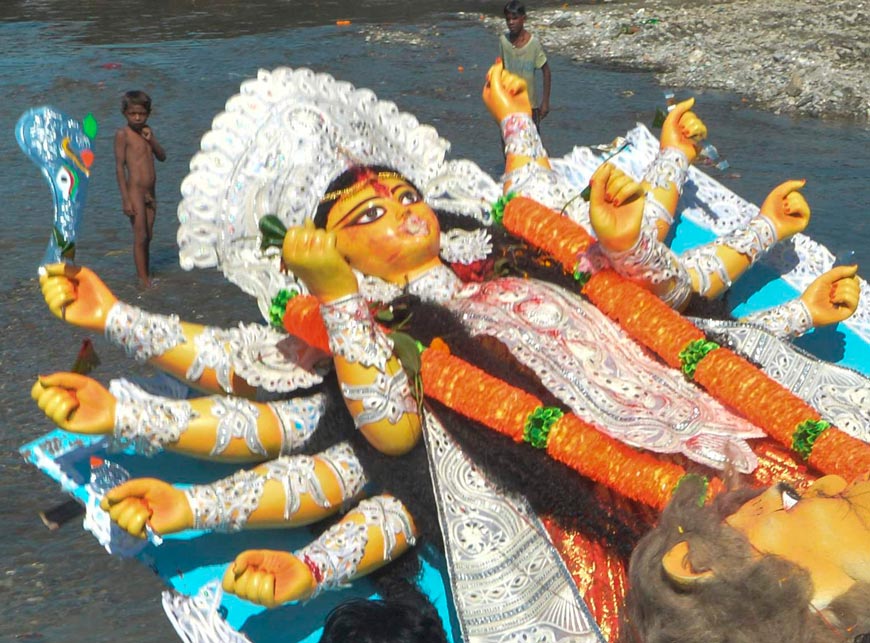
678,568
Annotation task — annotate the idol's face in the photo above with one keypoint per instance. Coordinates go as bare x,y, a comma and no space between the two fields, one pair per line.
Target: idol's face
385,229
826,531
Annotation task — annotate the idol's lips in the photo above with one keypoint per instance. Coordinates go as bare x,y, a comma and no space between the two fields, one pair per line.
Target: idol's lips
415,226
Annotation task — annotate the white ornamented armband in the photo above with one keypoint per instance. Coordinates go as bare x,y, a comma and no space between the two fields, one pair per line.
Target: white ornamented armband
706,263
211,352
227,504
653,212
335,556
236,418
753,240
142,335
670,166
147,422
353,334
651,262
388,397
298,418
790,319
465,246
521,136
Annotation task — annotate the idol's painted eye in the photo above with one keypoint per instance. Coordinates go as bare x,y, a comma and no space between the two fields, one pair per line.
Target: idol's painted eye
409,197
790,496
370,214
65,181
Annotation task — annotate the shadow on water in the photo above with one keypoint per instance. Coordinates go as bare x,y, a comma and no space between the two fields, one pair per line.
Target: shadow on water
191,56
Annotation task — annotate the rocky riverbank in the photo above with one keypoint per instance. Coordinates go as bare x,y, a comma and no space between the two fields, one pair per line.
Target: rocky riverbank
802,57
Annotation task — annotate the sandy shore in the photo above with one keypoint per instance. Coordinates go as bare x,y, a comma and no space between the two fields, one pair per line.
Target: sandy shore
802,57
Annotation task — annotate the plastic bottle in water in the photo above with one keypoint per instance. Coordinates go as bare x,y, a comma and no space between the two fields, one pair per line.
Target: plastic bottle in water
105,475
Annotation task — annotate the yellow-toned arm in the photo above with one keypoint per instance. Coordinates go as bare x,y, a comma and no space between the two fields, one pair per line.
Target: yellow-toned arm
374,386
216,428
77,295
663,181
374,533
713,267
831,298
507,98
288,492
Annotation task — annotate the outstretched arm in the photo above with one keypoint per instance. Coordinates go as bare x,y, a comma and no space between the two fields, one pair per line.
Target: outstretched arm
194,353
366,539
713,267
664,179
507,99
833,297
214,428
288,492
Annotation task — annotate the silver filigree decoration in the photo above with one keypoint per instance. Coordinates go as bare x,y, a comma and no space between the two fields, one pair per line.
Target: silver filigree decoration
706,263
298,418
273,361
465,246
353,335
752,241
521,136
670,167
651,262
790,319
388,397
227,504
236,418
147,422
339,550
197,619
142,335
347,469
508,581
653,211
211,352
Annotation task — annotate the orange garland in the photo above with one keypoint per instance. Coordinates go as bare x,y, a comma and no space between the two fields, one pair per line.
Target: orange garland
558,236
728,377
302,318
577,444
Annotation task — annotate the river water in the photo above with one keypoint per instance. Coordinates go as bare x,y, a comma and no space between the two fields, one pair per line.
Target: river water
191,55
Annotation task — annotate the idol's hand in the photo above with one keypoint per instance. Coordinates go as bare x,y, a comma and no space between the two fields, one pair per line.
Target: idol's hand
683,129
615,208
787,209
311,254
75,403
148,501
269,578
833,297
75,294
504,93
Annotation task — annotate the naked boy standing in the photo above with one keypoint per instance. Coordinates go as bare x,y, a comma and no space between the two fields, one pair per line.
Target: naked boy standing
136,147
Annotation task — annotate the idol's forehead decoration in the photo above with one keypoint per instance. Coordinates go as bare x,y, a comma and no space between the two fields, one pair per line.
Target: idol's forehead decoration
276,148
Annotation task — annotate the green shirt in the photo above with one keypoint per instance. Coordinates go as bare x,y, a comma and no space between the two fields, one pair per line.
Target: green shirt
523,61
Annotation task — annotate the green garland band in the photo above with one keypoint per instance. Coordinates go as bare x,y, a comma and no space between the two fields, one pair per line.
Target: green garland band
497,209
278,307
693,353
805,436
705,485
580,276
538,425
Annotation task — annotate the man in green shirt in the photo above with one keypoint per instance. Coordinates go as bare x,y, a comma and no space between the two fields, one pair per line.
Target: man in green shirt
522,54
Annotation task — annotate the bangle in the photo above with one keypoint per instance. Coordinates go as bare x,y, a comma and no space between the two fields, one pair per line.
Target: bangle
706,263
147,422
521,136
790,319
670,166
142,335
352,333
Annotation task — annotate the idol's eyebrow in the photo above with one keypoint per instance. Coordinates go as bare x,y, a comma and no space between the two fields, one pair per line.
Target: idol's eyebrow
351,212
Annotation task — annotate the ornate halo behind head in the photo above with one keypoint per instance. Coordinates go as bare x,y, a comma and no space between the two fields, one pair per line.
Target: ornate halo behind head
276,148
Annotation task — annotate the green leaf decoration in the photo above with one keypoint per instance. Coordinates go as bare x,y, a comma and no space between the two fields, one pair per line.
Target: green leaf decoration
278,306
581,277
272,230
806,434
385,315
537,429
659,118
406,348
693,353
498,207
586,193
90,126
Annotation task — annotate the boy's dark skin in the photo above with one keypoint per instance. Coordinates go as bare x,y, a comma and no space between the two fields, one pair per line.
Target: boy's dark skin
518,36
136,147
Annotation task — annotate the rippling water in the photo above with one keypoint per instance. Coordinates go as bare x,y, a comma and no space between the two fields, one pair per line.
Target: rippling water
191,56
